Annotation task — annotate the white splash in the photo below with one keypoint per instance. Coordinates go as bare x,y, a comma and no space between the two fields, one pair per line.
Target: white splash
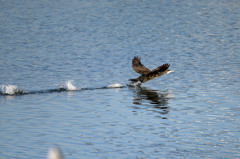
133,84
116,85
11,90
69,86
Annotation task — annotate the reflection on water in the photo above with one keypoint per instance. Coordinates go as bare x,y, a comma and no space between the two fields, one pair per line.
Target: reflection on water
151,98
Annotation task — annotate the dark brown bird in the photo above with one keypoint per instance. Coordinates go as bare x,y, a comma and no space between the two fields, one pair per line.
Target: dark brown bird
147,74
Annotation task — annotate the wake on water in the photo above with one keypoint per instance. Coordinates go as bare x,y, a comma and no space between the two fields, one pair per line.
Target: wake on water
66,86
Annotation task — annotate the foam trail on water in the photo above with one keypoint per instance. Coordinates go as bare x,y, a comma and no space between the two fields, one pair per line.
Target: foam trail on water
11,90
116,85
69,86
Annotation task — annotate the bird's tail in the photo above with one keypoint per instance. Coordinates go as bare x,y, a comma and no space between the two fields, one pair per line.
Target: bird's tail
134,80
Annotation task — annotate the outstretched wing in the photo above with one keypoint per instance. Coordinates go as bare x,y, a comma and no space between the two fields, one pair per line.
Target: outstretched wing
139,67
159,69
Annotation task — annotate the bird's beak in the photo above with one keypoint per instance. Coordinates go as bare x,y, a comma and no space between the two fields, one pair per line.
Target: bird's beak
170,71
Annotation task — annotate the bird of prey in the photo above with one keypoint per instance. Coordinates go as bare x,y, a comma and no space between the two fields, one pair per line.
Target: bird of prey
147,74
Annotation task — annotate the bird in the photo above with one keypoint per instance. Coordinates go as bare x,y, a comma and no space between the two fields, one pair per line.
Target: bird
147,74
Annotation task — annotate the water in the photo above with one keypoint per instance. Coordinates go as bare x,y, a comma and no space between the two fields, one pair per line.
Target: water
64,70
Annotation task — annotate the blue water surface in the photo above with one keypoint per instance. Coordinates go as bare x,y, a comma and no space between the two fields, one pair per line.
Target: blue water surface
48,47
